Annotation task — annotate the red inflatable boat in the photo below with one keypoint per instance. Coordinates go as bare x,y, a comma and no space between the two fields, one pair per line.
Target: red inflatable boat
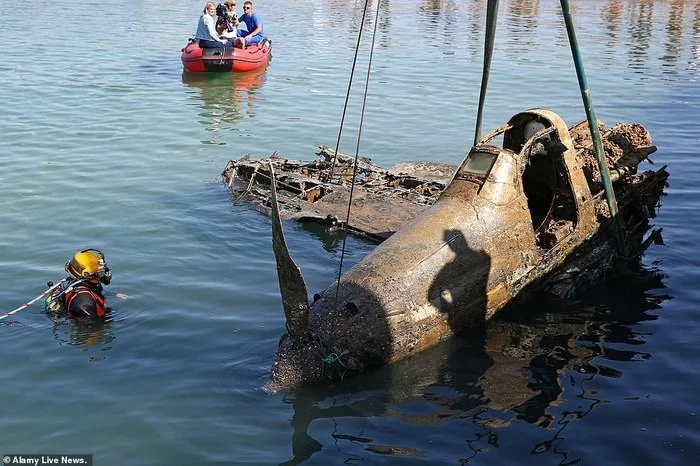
198,60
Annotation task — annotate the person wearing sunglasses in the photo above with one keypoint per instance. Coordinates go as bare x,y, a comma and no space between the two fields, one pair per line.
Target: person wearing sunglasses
254,27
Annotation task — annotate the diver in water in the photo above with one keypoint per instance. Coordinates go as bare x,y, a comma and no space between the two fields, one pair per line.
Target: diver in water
82,296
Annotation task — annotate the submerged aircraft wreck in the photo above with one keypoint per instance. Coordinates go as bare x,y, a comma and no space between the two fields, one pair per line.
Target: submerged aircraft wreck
525,369
383,200
534,205
516,219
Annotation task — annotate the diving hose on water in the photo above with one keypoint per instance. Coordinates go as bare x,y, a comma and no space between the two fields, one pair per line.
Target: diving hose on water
51,301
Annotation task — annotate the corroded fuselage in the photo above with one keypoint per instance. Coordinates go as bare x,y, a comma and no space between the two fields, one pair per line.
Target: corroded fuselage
510,216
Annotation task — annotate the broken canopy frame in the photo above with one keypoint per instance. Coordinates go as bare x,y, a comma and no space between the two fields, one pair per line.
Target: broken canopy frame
491,20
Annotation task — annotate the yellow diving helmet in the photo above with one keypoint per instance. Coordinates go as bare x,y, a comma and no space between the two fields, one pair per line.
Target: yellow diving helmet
89,265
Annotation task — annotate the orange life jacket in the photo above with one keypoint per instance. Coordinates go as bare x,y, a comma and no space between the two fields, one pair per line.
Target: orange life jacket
100,305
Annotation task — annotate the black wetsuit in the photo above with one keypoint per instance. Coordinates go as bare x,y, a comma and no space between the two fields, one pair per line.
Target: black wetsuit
86,302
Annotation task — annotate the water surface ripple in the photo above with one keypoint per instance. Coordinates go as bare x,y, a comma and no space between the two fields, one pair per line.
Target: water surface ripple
106,144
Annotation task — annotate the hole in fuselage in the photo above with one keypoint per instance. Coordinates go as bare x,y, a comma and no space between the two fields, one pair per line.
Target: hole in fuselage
351,309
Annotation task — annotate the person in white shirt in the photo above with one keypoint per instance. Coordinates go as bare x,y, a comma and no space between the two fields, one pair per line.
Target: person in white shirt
206,29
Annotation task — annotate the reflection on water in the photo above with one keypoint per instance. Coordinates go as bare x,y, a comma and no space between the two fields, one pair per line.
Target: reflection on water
694,64
68,332
331,241
226,98
640,28
628,24
522,17
674,29
439,18
633,26
535,369
611,15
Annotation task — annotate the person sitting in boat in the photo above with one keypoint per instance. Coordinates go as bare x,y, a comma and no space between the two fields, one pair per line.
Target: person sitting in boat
84,300
206,29
254,27
227,21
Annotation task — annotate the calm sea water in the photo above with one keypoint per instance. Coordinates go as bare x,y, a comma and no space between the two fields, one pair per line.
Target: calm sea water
110,146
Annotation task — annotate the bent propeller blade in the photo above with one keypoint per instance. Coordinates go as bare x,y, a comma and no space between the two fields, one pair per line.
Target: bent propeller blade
292,286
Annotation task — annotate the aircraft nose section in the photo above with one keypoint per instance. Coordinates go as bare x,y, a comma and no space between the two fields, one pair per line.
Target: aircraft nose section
344,336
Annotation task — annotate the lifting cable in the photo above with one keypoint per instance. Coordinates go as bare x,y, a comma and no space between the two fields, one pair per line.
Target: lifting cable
359,132
347,94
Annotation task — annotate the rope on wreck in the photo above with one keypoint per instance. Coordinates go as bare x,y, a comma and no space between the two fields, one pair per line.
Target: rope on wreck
334,356
347,94
357,145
